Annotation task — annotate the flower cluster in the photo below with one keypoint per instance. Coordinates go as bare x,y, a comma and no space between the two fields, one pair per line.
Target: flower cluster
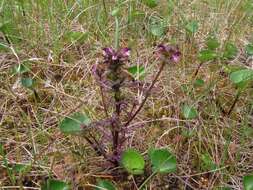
169,52
112,56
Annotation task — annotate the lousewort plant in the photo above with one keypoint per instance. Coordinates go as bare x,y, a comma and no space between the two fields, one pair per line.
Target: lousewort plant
112,77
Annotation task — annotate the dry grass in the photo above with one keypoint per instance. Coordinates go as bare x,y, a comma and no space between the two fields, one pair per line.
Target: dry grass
29,126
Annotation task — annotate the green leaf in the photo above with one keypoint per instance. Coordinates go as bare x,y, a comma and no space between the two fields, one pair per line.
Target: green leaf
157,28
199,82
207,55
248,182
162,161
72,124
105,185
151,3
22,68
249,49
240,76
189,112
115,12
230,51
137,72
207,162
212,43
133,162
52,184
192,27
20,168
74,37
27,82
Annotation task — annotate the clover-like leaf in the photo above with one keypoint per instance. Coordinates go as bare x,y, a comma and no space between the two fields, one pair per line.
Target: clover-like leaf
192,27
105,185
73,123
199,82
230,51
207,55
52,184
162,161
133,162
242,75
189,112
137,72
248,182
151,3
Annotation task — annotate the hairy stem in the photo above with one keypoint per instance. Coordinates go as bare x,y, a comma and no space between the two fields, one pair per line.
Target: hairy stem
103,101
147,94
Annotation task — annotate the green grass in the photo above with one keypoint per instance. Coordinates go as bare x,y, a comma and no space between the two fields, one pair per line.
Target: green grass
37,32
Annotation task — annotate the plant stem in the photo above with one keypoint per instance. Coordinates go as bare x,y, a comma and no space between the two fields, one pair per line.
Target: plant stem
147,94
116,37
234,103
103,101
146,180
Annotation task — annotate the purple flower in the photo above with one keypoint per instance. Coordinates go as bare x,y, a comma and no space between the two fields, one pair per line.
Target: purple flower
113,56
169,52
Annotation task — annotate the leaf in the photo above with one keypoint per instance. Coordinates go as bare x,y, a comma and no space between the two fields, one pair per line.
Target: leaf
249,49
27,82
137,72
20,168
207,55
52,184
199,82
74,37
240,76
212,43
157,29
72,124
248,182
207,162
230,51
162,161
22,68
115,12
105,185
189,112
151,3
192,27
133,162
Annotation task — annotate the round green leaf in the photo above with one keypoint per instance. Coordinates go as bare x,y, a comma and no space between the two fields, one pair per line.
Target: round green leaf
189,112
207,55
162,161
151,3
105,185
230,51
249,49
27,82
72,124
241,76
199,82
212,43
133,162
248,182
55,185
